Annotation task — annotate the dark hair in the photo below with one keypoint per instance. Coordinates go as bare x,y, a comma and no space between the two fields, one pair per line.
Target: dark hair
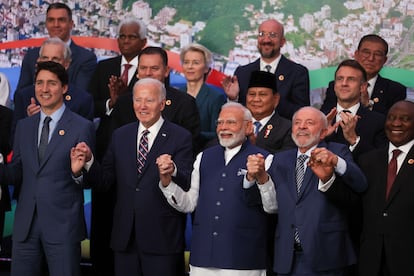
56,6
374,38
354,64
55,68
151,50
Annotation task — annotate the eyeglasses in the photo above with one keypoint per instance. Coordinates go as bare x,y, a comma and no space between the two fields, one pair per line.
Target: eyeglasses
271,35
365,53
229,122
130,37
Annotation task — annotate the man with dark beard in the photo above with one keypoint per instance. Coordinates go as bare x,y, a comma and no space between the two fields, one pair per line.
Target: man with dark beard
292,78
229,234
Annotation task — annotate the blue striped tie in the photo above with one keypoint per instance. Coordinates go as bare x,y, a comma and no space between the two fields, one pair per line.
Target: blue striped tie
142,150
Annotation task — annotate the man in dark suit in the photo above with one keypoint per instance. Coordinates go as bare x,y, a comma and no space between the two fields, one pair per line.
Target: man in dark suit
229,234
49,220
180,108
355,125
6,116
59,23
387,238
76,99
311,236
147,233
381,93
292,79
112,78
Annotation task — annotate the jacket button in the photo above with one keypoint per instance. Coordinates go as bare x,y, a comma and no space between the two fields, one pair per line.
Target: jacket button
385,214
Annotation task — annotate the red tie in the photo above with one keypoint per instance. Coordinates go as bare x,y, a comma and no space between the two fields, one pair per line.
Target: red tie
392,171
124,76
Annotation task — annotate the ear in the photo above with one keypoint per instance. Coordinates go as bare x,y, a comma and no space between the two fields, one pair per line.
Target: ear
162,105
276,98
249,128
323,134
65,88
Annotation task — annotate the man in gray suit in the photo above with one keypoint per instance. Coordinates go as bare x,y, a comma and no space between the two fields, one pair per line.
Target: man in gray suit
49,220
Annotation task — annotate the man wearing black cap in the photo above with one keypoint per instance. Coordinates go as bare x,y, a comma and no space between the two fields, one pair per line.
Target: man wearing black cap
271,131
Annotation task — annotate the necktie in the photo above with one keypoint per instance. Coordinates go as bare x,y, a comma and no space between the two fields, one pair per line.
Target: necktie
44,138
268,68
392,171
142,150
300,171
257,126
124,76
300,174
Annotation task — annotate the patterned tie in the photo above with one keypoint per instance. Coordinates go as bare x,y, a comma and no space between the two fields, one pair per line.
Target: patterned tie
257,126
44,138
392,171
300,171
142,150
124,76
268,68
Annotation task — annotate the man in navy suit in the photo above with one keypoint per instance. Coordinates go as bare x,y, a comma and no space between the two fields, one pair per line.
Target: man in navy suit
311,236
229,234
49,220
381,93
292,79
59,23
387,238
76,99
147,233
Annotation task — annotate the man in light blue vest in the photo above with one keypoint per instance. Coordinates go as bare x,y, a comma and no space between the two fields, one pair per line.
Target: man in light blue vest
230,227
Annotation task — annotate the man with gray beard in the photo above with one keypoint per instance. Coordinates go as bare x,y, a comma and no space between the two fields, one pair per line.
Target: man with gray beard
229,234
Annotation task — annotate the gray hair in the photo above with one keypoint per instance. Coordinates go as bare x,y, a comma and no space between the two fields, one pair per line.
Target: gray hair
132,20
247,114
159,85
67,53
322,116
208,57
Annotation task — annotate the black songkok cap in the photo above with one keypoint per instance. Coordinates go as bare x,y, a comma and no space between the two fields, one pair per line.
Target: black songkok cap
263,79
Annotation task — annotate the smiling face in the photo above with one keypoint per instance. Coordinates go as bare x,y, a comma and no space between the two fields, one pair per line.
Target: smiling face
308,128
58,24
194,66
148,103
49,91
399,125
270,39
261,101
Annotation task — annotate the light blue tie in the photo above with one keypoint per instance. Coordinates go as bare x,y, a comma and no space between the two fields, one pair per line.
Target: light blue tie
257,126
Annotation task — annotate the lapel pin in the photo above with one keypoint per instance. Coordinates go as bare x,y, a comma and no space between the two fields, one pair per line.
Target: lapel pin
68,97
268,129
381,91
410,161
164,135
281,77
61,132
376,100
168,102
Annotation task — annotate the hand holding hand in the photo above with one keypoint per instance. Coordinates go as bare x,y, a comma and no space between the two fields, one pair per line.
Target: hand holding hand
323,163
79,155
256,168
166,168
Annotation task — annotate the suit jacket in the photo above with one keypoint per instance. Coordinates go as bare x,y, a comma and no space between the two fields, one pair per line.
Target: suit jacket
388,225
77,99
321,224
292,82
98,87
140,205
276,135
47,189
370,129
180,108
80,70
6,116
386,93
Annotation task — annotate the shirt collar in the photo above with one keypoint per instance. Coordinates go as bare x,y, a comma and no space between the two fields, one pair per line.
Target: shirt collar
274,64
133,62
55,115
404,148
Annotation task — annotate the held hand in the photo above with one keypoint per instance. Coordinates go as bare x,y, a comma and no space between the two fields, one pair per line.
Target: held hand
323,163
256,168
231,87
32,108
166,168
79,155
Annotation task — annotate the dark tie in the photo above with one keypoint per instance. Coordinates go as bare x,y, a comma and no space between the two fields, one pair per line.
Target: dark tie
257,126
300,174
392,171
124,76
44,138
142,150
268,68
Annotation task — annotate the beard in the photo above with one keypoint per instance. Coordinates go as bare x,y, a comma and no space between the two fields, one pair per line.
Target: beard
271,54
233,141
309,142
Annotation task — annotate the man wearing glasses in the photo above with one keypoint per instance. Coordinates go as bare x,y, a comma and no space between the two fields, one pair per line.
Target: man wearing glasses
292,79
381,93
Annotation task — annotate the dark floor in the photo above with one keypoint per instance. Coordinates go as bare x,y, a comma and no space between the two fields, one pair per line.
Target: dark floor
5,269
